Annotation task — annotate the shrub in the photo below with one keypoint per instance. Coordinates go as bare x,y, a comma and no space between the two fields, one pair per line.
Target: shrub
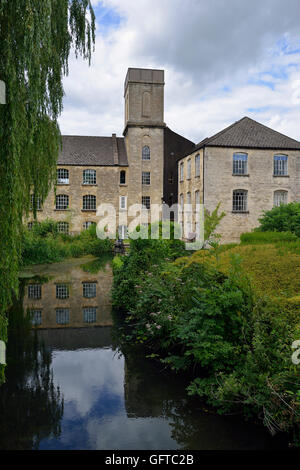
285,218
267,237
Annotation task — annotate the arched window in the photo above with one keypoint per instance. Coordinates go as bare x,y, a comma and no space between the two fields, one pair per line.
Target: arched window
122,177
63,227
62,176
197,165
240,164
280,165
239,203
89,203
89,177
62,202
189,169
146,153
280,197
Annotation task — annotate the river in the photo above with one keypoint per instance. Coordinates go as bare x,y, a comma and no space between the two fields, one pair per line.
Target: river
70,386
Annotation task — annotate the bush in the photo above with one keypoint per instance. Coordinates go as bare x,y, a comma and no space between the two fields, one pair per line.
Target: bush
285,218
43,244
267,237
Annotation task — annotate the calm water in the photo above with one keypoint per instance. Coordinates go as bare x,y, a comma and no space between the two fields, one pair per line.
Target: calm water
70,387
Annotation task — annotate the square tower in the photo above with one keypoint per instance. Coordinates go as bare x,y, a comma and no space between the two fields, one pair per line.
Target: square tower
144,136
144,98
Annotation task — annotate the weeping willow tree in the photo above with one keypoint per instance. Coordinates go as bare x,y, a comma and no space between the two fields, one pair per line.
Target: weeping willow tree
36,39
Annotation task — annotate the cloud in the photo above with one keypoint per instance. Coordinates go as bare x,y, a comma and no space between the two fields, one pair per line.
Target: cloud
222,58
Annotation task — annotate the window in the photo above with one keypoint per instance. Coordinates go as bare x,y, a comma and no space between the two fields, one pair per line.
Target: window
146,177
62,176
197,197
171,178
89,177
63,227
123,233
240,164
122,177
62,202
37,200
123,202
181,171
146,202
89,290
188,198
36,317
62,291
146,153
89,314
239,200
181,199
88,224
280,165
280,197
89,203
30,225
197,165
35,291
189,166
62,316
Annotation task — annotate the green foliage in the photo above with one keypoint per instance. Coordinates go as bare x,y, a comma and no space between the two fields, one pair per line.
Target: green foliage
43,244
258,237
211,221
36,39
211,324
285,218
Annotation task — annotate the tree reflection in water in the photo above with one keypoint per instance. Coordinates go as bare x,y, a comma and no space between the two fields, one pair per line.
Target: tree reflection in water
31,407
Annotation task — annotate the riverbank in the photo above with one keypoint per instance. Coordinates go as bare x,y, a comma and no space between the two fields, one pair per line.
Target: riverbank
228,316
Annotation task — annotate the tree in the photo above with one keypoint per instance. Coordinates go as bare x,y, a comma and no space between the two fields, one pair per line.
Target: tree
36,39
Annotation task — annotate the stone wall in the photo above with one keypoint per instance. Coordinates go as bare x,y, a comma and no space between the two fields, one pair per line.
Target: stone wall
219,184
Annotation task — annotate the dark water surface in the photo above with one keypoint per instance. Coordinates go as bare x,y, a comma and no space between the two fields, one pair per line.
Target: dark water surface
68,385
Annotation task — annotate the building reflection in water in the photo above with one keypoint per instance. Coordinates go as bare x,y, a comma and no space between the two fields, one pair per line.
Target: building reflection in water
72,298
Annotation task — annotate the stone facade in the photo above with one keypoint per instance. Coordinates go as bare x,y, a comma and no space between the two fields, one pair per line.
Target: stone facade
108,157
217,183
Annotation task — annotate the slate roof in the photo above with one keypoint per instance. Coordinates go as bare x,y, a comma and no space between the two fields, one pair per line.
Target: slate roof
248,133
92,151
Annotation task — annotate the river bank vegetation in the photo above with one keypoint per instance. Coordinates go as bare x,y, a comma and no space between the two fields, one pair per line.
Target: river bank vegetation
226,316
44,244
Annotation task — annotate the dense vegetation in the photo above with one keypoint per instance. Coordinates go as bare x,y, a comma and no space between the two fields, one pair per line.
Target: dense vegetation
43,244
232,333
36,39
285,217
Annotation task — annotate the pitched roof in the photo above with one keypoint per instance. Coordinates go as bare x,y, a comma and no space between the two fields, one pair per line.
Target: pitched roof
93,151
248,133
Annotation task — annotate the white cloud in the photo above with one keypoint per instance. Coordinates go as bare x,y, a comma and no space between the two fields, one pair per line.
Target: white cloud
217,56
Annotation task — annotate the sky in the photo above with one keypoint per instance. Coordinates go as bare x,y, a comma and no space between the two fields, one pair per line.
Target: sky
223,60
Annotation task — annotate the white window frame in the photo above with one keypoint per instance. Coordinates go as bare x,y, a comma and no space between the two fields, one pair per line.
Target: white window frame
181,171
146,178
189,169
62,202
63,176
240,163
89,202
280,165
89,177
197,165
123,203
280,197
